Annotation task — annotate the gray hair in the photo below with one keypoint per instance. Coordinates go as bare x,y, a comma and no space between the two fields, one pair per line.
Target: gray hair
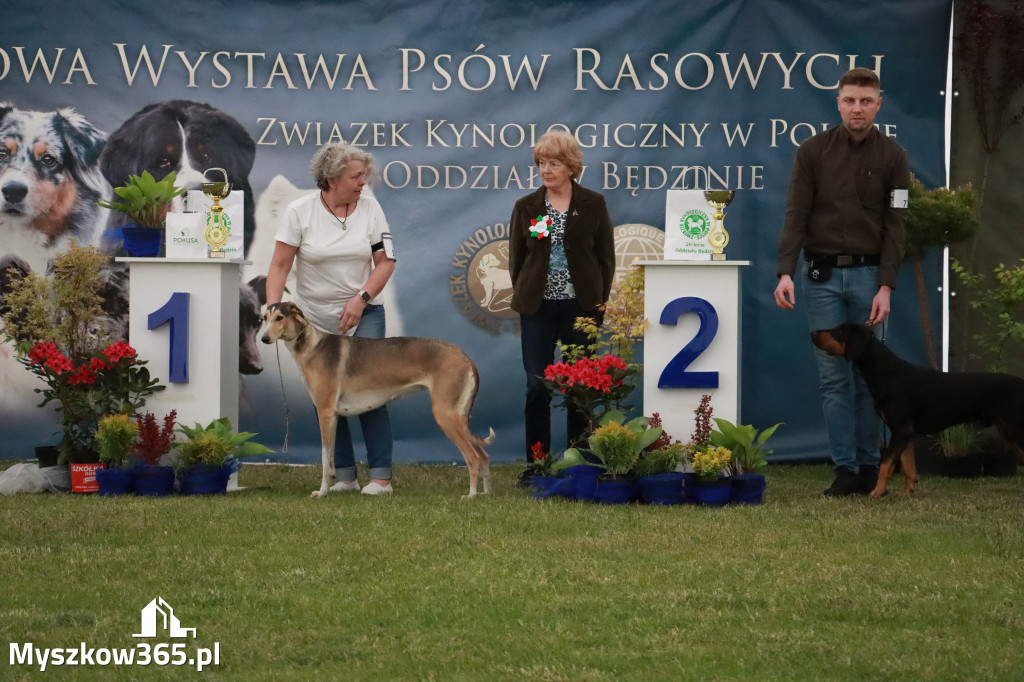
331,160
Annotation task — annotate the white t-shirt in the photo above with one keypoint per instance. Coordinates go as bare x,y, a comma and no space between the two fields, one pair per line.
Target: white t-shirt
333,263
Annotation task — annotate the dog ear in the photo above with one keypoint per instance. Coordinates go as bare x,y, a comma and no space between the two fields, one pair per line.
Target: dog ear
83,142
5,109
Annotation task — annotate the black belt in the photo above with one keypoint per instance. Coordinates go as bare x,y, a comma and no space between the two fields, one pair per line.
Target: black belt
844,260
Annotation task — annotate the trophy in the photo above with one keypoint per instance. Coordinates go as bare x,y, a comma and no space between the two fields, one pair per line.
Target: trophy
718,238
218,227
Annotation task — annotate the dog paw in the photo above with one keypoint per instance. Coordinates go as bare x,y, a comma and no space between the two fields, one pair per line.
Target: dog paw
905,493
469,496
319,493
878,494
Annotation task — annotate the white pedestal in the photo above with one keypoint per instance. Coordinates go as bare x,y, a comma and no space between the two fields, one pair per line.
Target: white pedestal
707,294
211,389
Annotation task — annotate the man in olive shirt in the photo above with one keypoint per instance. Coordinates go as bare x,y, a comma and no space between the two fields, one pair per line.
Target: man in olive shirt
845,209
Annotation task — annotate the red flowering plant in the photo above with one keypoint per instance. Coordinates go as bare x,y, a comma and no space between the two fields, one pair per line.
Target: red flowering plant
154,440
598,378
542,461
112,381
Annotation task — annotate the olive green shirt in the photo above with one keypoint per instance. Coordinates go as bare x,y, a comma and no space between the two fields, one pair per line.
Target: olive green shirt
840,201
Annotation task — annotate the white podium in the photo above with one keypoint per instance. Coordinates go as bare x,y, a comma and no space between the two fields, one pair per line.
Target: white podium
183,317
693,341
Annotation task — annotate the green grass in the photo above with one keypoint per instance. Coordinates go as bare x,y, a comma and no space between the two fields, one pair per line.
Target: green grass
424,585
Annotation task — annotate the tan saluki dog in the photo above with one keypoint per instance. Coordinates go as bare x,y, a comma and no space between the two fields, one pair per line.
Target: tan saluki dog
348,375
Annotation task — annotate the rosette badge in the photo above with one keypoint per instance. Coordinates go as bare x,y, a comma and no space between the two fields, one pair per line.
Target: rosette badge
540,226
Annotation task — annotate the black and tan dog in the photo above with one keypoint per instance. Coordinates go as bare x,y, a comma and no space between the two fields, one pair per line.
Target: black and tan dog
914,401
348,375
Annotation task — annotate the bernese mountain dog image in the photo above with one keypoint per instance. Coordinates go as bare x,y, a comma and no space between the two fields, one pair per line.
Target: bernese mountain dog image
185,137
49,182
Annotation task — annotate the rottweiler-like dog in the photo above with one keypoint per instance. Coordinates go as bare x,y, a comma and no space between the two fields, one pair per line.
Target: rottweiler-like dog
914,401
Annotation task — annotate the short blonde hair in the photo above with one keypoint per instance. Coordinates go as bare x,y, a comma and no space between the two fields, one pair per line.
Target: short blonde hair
331,160
560,146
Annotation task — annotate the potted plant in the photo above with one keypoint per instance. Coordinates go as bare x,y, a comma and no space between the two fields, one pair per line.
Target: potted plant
145,205
657,470
616,445
210,455
749,458
152,478
544,481
116,437
711,464
57,326
959,445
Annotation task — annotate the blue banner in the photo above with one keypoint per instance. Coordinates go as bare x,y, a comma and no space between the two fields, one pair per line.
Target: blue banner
449,98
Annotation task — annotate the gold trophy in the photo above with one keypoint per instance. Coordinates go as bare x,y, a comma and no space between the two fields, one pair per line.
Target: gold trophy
718,238
217,225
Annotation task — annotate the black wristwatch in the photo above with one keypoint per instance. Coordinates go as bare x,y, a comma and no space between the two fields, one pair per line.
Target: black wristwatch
365,295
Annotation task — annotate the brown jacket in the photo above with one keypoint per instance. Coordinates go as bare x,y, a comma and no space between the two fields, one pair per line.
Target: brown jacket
589,250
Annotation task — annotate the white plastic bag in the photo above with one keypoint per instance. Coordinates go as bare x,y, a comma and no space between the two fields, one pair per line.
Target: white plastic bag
29,478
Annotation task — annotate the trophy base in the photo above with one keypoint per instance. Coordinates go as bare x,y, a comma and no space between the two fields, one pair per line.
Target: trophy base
718,256
217,254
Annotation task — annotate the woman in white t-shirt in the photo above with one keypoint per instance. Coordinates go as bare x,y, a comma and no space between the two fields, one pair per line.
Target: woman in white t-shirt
340,244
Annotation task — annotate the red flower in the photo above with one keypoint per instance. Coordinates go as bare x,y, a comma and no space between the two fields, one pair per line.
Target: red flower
119,350
96,364
84,375
537,452
58,363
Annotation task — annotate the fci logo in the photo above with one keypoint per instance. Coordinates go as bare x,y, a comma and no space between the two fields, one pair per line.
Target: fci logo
159,613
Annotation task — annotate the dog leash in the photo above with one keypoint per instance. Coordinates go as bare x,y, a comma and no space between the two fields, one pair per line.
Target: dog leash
280,374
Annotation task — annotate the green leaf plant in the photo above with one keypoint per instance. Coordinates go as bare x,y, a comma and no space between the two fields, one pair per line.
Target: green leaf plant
748,453
617,444
146,199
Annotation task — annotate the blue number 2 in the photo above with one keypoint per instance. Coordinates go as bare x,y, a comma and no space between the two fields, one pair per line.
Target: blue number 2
175,311
675,375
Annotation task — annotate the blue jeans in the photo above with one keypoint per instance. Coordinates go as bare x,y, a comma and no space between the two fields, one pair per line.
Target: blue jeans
854,429
375,424
553,322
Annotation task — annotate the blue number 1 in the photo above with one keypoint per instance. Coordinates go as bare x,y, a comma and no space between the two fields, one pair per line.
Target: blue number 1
175,311
675,375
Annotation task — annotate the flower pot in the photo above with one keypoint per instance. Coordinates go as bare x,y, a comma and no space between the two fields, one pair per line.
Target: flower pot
928,457
747,489
664,488
47,456
143,241
542,487
614,489
117,481
205,479
714,493
83,471
998,461
582,482
154,481
968,466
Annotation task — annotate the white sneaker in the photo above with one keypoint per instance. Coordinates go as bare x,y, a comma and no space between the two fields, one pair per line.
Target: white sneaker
374,488
345,487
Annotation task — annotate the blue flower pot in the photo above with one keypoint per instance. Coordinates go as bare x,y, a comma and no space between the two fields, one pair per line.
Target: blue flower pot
747,488
664,488
582,481
612,489
154,481
143,241
205,479
542,487
118,481
713,493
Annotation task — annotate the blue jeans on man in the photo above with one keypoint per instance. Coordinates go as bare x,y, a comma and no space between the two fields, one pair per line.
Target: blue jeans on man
854,428
375,424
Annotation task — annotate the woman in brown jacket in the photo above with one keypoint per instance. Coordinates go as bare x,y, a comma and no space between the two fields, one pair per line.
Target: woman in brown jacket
562,260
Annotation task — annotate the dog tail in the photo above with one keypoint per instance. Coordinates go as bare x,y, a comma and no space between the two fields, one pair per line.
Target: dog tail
477,440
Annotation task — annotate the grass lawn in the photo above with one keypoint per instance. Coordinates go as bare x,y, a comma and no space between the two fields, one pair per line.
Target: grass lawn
423,585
